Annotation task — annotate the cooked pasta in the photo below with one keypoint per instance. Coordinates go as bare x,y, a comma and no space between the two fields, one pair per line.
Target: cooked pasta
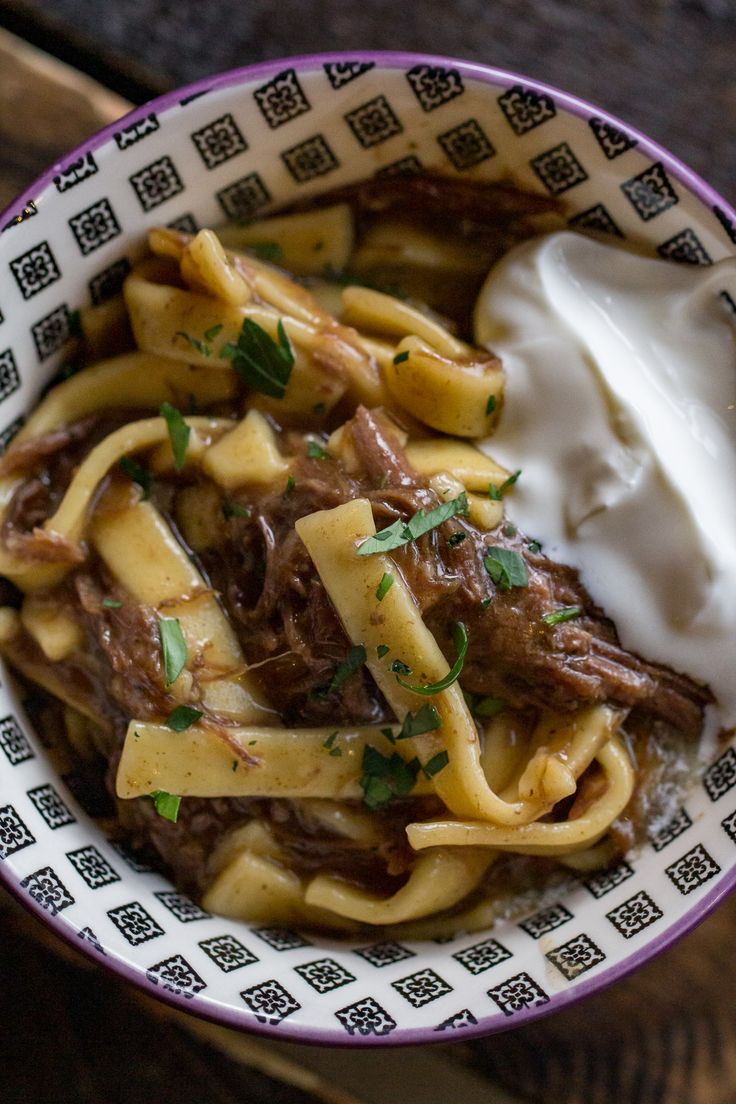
264,570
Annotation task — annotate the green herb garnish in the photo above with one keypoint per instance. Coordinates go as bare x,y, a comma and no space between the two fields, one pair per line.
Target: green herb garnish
437,763
214,331
506,568
315,451
491,404
290,485
401,357
167,805
266,250
426,719
138,474
460,640
509,530
382,650
231,509
264,364
173,648
485,603
182,717
355,659
111,603
235,765
400,668
534,546
496,493
179,433
199,346
330,740
402,532
387,581
386,777
557,617
488,707
456,538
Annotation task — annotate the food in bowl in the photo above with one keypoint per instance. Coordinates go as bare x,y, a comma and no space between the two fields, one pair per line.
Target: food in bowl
329,681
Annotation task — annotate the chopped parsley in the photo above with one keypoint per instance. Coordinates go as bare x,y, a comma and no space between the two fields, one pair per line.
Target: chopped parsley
315,451
353,661
264,364
197,345
491,404
290,485
401,357
182,717
266,250
496,493
460,640
235,765
485,603
509,530
179,433
167,805
382,650
111,603
231,509
456,538
506,568
214,331
402,532
387,581
330,740
488,707
138,474
173,648
400,668
437,763
386,777
426,719
534,546
557,617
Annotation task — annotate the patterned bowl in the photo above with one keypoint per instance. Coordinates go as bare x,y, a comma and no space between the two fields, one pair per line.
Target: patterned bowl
231,147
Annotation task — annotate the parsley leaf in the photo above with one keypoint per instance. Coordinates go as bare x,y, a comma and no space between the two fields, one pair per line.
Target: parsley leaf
437,763
199,346
315,451
385,777
400,668
382,650
456,538
173,648
231,509
182,717
534,546
506,568
426,719
330,740
566,613
266,250
491,404
400,532
460,640
264,364
290,485
167,805
179,433
111,603
387,581
355,659
488,707
214,331
496,493
401,357
138,474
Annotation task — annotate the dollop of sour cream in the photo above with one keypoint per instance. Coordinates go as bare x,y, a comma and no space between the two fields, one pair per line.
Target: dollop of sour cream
620,409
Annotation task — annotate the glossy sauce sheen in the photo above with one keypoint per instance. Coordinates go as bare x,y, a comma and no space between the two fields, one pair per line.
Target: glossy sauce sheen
621,410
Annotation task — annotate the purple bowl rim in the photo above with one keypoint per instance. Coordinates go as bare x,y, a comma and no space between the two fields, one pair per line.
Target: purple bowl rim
229,1016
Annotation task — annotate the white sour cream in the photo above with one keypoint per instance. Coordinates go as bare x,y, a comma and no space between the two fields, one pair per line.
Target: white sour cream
620,410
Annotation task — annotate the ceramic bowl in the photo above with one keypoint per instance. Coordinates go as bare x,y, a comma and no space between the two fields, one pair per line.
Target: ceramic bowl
233,147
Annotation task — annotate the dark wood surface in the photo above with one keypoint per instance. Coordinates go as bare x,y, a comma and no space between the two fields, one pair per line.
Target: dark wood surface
70,1034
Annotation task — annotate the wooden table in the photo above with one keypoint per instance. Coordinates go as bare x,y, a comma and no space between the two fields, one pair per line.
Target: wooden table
73,1035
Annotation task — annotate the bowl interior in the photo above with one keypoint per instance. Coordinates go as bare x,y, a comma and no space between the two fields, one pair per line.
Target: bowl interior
232,148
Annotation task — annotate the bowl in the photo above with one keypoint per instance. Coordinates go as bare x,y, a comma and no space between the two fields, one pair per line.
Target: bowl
232,147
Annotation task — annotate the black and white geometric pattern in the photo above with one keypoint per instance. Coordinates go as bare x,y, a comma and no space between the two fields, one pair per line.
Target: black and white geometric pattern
325,974
6,436
14,833
434,86
546,920
422,987
76,172
526,109
244,197
130,135
517,993
466,145
130,858
607,880
342,72
94,226
597,219
88,936
47,890
481,956
270,1001
109,282
92,867
9,376
559,169
373,122
728,224
721,775
635,914
135,923
611,139
218,141
186,223
13,742
51,807
679,824
694,869
156,183
463,1018
650,192
281,939
685,247
51,332
405,166
384,954
310,159
35,270
366,1017
281,99
177,976
728,824
576,956
227,952
181,907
